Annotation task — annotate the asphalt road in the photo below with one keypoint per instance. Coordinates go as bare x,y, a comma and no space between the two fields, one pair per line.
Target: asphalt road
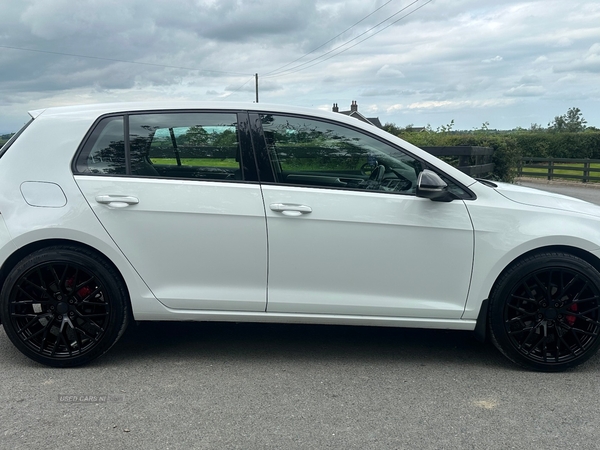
589,192
250,386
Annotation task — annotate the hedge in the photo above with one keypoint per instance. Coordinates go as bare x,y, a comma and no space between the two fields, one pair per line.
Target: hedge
510,146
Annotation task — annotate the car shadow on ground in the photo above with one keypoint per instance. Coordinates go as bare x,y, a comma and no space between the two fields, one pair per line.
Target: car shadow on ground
251,342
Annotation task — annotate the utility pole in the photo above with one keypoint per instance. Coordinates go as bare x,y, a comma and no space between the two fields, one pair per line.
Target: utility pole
256,88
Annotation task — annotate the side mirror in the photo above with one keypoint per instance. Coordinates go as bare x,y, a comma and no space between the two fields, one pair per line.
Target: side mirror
431,186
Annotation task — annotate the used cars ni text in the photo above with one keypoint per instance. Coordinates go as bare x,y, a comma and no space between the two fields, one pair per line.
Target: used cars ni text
237,212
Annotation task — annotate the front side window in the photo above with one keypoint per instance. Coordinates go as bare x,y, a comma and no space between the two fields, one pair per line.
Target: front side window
311,152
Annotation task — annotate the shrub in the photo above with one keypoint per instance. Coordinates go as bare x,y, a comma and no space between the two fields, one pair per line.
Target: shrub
507,154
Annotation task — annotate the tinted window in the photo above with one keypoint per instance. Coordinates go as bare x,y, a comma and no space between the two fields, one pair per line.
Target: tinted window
188,145
180,145
316,153
104,151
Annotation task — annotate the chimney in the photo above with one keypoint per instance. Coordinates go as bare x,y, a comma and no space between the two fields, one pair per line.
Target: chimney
354,106
335,108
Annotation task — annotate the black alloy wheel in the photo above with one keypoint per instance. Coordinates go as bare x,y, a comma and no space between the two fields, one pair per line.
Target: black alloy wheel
63,306
545,312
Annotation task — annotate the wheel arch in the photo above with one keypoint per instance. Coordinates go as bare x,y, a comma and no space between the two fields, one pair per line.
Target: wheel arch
22,252
481,326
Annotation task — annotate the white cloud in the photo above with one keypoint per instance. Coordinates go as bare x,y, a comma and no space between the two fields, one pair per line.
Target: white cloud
388,71
530,79
569,78
564,41
494,59
590,62
450,105
525,91
443,62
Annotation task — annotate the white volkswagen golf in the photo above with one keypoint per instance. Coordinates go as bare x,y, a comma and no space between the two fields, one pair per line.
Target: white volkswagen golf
239,212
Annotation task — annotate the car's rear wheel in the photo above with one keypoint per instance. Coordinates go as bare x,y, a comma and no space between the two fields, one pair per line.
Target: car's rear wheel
63,306
545,312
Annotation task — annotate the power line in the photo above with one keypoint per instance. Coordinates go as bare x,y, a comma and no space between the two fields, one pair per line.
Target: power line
300,68
293,69
333,38
120,60
237,89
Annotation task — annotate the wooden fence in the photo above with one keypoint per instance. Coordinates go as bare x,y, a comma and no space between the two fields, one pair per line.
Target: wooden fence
578,169
474,161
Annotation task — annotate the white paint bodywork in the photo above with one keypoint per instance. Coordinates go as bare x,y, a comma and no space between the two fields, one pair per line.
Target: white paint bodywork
197,244
363,253
363,258
43,195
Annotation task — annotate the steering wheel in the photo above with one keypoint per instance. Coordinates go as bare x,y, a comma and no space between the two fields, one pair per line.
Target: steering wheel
377,174
367,168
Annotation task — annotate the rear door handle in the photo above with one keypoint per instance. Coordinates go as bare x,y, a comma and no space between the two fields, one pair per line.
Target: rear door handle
117,201
290,209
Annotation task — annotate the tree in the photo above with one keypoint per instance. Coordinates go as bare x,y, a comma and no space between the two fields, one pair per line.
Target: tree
536,127
572,121
446,128
195,136
393,128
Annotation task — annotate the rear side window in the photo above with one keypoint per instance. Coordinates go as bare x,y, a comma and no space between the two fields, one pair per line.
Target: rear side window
194,145
104,151
185,145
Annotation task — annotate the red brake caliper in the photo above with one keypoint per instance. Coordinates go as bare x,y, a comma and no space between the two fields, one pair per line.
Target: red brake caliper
571,319
83,292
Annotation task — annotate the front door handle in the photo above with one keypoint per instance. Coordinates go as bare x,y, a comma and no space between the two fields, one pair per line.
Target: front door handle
290,209
117,201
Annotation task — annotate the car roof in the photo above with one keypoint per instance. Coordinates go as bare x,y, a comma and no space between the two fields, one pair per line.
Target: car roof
119,107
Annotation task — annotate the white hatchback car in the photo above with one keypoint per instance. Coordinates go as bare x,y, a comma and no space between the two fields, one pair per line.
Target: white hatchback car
239,212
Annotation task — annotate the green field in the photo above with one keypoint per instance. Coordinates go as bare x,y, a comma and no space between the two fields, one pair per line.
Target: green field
542,171
197,162
291,164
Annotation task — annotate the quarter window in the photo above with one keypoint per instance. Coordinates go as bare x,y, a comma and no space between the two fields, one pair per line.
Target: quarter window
104,151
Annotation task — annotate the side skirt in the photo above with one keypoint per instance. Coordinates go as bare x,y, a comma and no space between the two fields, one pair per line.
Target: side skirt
262,317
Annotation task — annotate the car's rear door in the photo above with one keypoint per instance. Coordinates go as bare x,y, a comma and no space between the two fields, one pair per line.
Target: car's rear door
346,239
178,193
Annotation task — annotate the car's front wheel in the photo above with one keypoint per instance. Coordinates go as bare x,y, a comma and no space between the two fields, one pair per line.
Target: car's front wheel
63,306
545,312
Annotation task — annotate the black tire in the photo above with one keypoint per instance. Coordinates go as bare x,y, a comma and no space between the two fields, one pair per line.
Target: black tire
545,312
64,306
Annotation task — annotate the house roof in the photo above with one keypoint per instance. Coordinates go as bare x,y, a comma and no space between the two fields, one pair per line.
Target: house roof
353,112
372,120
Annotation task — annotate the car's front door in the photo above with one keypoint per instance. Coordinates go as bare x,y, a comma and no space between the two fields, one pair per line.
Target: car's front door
347,234
179,196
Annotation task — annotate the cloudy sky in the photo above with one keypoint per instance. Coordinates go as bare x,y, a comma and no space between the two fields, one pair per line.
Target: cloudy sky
510,63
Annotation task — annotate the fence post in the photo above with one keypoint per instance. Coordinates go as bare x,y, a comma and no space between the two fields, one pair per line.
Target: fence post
550,168
586,171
